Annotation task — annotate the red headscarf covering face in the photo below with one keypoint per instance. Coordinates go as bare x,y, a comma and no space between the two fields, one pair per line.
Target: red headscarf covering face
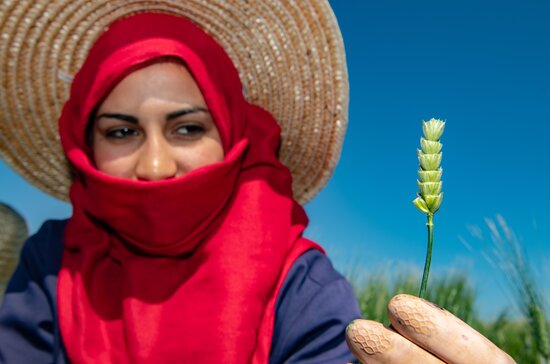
186,269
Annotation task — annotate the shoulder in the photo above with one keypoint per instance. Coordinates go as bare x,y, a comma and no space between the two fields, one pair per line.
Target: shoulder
42,253
49,234
311,274
47,243
314,266
314,306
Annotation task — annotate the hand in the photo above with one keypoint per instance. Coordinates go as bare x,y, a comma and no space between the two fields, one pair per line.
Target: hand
421,332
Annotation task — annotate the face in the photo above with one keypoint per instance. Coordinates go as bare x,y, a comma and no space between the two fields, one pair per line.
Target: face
155,125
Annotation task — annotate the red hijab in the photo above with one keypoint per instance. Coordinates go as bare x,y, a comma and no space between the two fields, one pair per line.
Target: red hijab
185,270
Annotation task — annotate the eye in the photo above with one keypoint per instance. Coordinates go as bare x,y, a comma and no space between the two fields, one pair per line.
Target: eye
121,133
190,130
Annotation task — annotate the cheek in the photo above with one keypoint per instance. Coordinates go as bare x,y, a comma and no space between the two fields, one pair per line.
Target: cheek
114,162
206,153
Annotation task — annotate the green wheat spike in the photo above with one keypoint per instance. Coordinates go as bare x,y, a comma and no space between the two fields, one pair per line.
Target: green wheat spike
429,198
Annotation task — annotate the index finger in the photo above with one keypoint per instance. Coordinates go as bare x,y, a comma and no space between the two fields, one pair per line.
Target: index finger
441,333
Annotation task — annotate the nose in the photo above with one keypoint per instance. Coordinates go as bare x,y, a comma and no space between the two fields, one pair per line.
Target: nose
156,161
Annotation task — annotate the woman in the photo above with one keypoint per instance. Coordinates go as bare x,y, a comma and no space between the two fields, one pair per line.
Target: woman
185,238
185,243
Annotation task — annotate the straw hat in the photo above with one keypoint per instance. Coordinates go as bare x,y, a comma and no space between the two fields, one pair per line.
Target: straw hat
289,54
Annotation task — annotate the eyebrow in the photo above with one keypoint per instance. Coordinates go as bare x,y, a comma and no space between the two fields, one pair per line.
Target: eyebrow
191,110
170,116
124,117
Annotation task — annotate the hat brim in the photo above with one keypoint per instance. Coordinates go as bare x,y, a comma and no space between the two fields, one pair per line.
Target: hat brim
289,54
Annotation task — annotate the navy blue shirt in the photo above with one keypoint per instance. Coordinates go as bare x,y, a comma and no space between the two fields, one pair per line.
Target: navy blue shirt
314,306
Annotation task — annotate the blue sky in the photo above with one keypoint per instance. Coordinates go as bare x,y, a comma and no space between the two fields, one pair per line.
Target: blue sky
484,67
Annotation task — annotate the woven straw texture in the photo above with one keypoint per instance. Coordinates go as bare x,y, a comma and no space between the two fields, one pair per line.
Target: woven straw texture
289,54
13,232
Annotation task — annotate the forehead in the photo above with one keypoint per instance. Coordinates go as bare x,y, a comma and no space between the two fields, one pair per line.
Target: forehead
167,81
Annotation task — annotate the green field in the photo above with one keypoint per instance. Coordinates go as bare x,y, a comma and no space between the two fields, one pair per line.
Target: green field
525,338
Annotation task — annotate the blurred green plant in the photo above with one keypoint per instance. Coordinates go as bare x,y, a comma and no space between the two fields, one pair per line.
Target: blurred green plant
525,337
517,337
511,260
13,232
452,291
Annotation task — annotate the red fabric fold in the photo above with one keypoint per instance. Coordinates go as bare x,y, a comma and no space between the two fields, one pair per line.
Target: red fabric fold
181,270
